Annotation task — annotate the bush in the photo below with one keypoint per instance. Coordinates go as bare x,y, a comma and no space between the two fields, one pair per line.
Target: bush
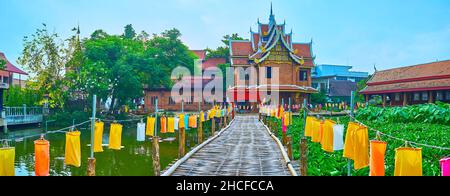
428,113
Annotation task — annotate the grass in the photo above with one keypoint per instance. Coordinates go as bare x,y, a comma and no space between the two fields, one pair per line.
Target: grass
321,163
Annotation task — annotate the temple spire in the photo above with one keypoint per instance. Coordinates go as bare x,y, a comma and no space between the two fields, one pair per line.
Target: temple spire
272,17
271,9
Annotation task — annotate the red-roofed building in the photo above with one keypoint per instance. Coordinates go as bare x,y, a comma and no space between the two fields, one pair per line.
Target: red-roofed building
271,47
6,76
417,84
165,101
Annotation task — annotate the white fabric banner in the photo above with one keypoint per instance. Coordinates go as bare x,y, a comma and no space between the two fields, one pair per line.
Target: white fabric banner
140,132
338,135
176,122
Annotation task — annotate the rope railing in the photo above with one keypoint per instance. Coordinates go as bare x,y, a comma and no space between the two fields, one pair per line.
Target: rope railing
63,130
120,121
390,136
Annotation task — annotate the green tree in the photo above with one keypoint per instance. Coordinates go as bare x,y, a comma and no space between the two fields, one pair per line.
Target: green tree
143,36
319,98
110,69
223,51
168,52
2,64
129,33
99,34
17,96
361,85
46,55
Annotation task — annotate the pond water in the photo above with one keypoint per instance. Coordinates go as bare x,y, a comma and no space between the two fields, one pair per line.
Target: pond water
135,159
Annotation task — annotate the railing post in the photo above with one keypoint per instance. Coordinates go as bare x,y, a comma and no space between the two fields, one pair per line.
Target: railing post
91,159
352,106
155,156
24,109
304,144
213,126
181,142
304,157
289,147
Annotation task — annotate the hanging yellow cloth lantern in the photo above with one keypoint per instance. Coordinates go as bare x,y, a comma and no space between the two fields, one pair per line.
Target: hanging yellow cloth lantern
98,136
181,123
408,162
286,119
150,130
202,116
42,157
7,156
309,126
73,149
115,136
171,125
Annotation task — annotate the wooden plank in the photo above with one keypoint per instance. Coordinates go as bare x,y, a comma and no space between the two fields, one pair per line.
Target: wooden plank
245,149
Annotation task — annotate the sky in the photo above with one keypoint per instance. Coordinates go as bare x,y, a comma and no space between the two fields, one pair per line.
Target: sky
361,33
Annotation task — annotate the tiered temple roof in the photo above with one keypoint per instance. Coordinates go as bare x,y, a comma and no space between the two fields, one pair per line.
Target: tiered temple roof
255,51
423,77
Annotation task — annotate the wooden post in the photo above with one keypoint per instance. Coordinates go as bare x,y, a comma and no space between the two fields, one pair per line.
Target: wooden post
155,156
221,123
384,100
276,128
270,126
91,167
289,147
91,159
284,138
225,119
213,126
200,131
430,97
181,142
352,107
405,99
304,157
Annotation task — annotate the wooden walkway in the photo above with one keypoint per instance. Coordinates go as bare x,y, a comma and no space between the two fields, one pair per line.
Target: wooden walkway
244,149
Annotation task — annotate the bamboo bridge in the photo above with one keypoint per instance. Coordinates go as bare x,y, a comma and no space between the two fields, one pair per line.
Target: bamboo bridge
244,148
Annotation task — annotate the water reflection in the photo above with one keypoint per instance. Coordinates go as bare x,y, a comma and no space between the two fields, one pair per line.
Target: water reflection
135,159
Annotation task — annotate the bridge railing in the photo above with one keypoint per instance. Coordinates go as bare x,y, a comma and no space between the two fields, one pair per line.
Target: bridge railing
23,111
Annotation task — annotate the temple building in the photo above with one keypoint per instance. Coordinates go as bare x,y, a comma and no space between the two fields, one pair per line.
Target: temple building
7,75
269,47
164,96
417,84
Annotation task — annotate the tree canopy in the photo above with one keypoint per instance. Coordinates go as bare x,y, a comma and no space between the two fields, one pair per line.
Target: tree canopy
2,64
111,66
223,51
46,55
121,66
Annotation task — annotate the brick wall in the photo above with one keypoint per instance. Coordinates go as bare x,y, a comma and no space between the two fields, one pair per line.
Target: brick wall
163,102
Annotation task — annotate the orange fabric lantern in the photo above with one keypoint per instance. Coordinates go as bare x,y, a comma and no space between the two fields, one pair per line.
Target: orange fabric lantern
317,131
42,157
163,121
377,153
